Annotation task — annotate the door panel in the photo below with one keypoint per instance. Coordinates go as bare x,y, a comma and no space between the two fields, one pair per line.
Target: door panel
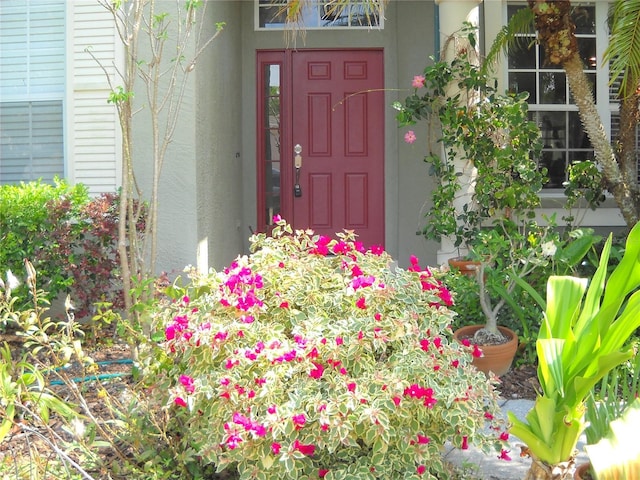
338,118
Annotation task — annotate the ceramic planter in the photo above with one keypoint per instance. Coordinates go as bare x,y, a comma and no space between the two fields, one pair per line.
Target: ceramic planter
496,358
465,266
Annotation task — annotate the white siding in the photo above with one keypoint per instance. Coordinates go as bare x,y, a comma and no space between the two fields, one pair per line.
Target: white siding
93,136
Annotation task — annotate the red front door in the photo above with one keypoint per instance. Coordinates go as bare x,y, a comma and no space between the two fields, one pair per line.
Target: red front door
331,105
338,121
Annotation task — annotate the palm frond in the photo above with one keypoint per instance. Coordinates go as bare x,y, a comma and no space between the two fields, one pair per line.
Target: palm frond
511,37
623,51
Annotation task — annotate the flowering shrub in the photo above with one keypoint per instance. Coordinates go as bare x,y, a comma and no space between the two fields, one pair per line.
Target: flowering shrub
315,358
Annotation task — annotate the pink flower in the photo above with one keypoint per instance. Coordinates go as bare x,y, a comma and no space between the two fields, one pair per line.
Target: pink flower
418,81
339,341
299,420
396,400
277,218
424,344
305,449
275,448
187,382
271,409
477,353
317,371
351,387
180,402
410,137
504,436
322,472
421,469
423,440
361,303
465,443
504,455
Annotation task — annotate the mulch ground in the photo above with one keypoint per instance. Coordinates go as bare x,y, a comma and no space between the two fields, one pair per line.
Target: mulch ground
520,383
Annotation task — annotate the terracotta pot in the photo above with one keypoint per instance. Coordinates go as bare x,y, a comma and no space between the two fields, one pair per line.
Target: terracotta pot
496,358
464,265
582,472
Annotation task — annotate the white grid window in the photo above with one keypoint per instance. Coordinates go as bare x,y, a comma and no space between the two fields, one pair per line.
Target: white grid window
550,101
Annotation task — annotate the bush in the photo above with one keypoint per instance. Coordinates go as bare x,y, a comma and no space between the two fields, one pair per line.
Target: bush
315,358
29,213
70,238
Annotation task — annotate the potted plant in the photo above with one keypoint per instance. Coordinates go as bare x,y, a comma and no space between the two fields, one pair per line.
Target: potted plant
583,336
482,151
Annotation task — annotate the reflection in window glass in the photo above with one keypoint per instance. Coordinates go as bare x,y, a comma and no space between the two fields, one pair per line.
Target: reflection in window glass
321,14
272,115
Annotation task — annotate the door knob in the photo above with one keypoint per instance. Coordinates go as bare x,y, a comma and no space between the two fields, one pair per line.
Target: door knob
297,163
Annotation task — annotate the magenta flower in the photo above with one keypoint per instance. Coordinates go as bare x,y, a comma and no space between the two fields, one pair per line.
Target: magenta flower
504,455
180,402
305,449
317,371
418,81
361,303
299,420
187,382
351,387
423,440
275,448
421,469
410,137
465,443
322,472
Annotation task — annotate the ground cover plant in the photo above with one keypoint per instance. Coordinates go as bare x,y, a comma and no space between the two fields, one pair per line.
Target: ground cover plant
315,358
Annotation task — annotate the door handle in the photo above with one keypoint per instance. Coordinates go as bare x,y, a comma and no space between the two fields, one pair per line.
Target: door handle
297,163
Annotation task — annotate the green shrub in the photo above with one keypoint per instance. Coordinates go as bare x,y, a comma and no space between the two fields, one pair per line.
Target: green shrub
70,238
27,217
315,358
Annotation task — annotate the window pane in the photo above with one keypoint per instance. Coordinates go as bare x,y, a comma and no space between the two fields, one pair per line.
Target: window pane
523,55
555,163
31,141
553,88
272,134
523,82
585,19
321,14
577,137
587,48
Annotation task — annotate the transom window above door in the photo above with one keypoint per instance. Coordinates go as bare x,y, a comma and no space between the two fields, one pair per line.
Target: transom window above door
318,14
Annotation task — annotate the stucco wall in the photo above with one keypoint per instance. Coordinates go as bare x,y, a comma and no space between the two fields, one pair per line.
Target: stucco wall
200,193
221,141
